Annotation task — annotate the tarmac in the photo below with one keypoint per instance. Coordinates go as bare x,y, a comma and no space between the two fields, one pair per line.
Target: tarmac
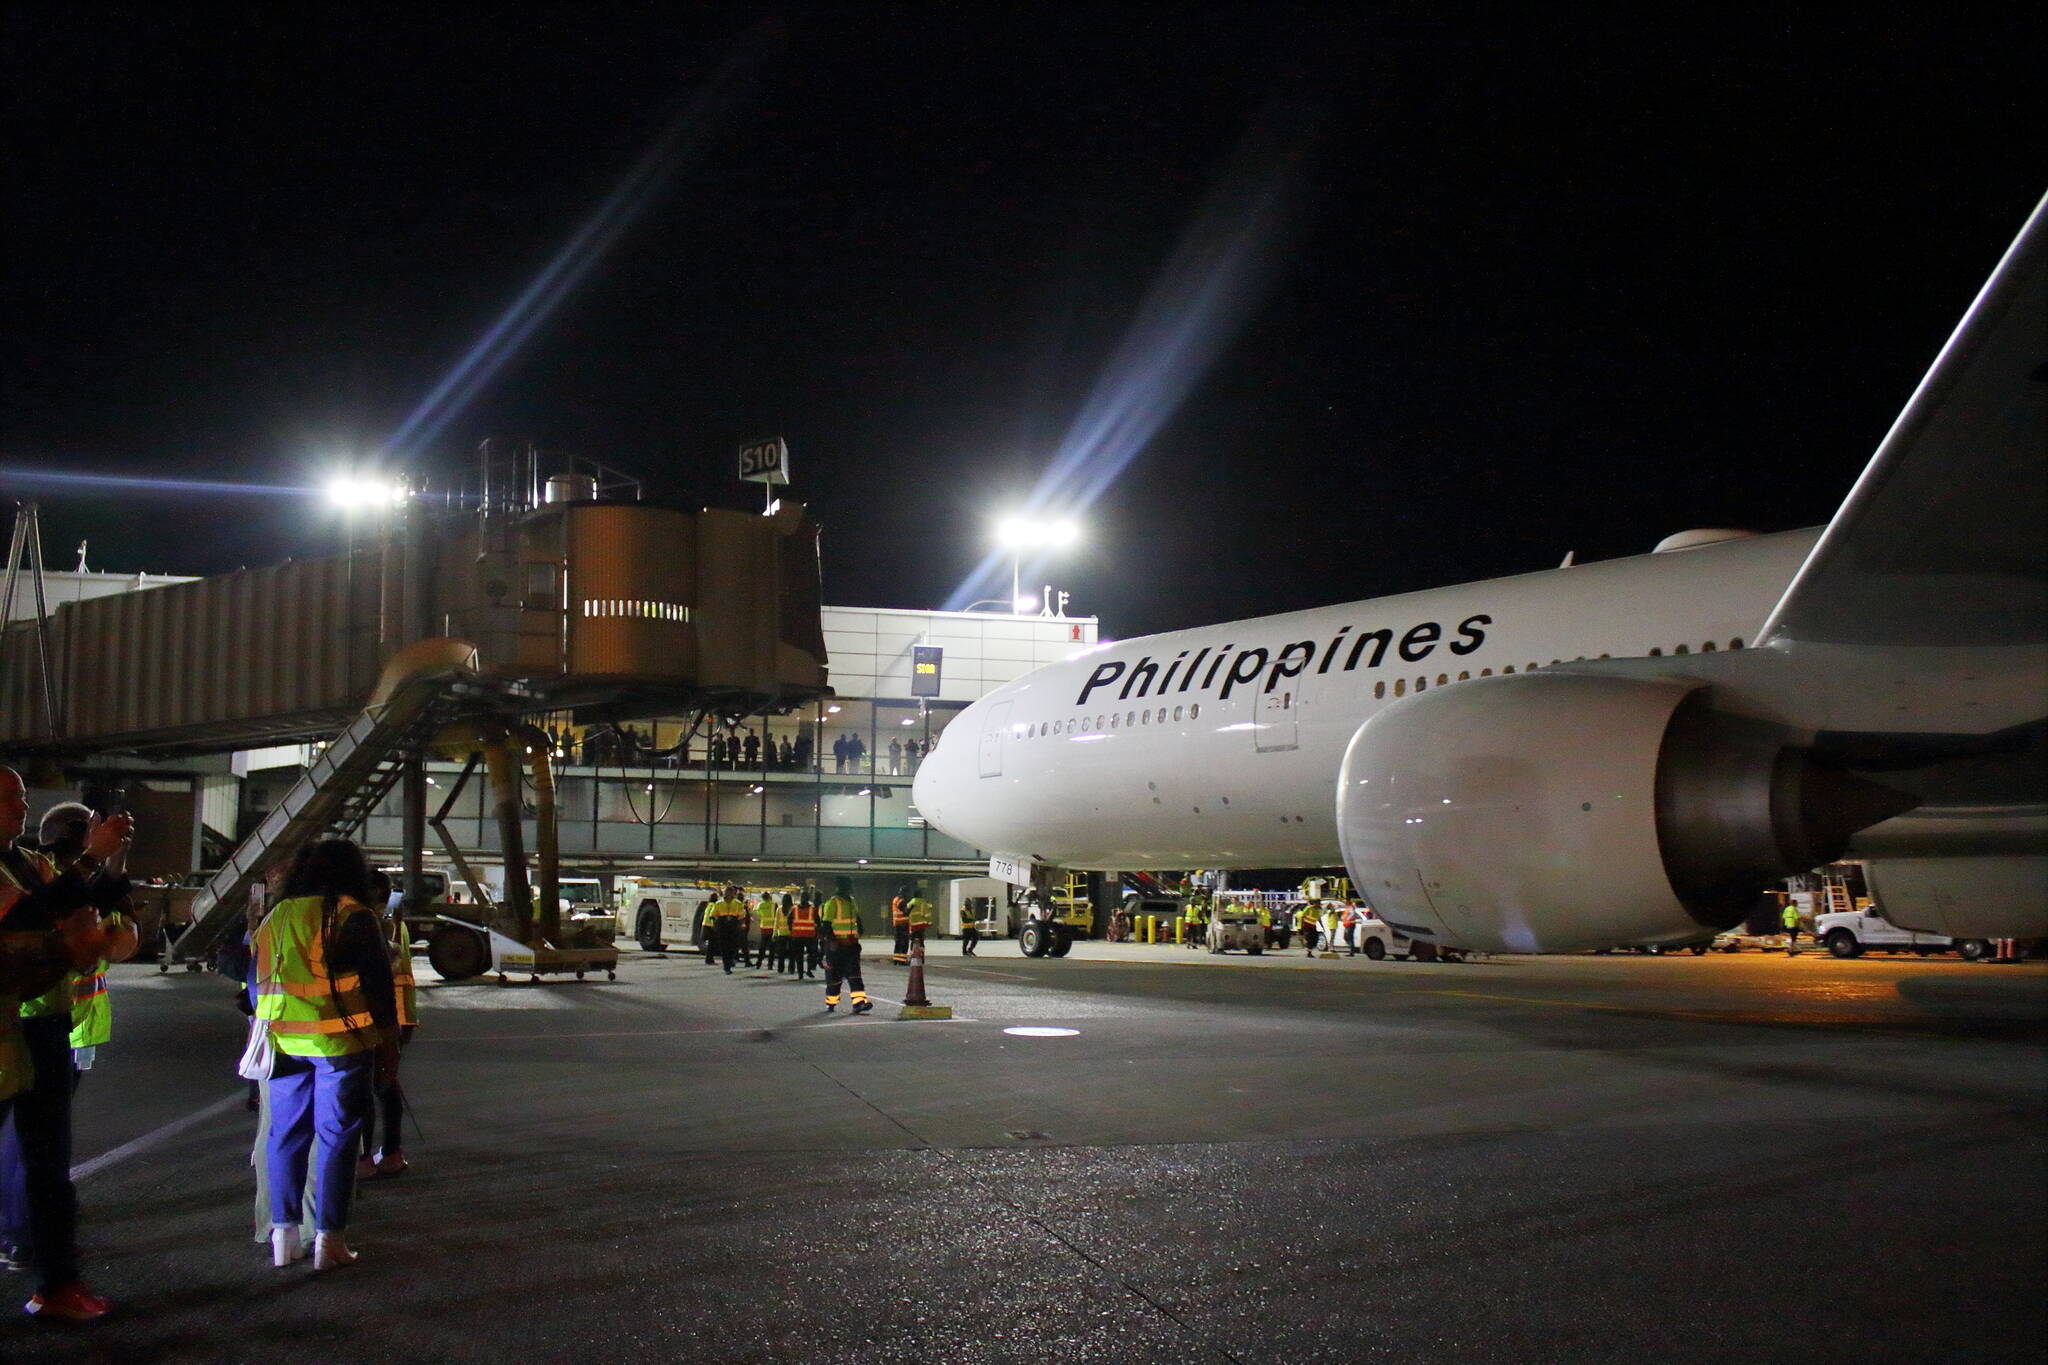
1730,1158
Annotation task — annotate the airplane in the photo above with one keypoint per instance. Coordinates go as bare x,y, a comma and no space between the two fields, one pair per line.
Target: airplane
1622,752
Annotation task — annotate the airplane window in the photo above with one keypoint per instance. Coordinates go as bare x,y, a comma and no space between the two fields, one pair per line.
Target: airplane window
1735,643
1421,684
1144,718
1681,650
1379,689
1707,647
1486,672
1531,668
1112,722
1656,651
1162,715
1130,718
1464,677
1400,687
1194,710
1177,711
1505,671
1442,678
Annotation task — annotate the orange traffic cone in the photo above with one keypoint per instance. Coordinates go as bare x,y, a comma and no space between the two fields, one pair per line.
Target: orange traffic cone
915,1005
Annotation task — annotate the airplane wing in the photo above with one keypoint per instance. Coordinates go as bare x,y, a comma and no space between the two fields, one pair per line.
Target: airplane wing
1944,539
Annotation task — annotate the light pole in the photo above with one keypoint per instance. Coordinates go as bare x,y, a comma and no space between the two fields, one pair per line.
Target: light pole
1019,534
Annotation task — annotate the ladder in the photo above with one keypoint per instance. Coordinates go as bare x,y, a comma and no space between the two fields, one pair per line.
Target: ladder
1835,887
333,797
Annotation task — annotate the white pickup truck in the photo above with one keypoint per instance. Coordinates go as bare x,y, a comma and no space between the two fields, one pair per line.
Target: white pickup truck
1846,933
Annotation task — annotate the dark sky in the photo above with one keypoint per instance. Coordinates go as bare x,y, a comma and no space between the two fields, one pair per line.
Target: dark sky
1538,281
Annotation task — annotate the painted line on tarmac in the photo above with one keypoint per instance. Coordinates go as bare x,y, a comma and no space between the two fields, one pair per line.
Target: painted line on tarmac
155,1136
983,971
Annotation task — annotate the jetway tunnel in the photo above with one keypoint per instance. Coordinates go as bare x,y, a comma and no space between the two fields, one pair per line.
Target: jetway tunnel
627,607
614,610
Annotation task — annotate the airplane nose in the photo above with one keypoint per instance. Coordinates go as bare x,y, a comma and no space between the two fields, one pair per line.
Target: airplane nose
924,786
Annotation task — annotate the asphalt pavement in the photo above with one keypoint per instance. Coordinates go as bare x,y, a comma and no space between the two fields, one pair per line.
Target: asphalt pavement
1731,1158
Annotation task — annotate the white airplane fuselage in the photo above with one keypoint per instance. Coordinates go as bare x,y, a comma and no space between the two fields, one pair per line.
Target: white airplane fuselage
1220,746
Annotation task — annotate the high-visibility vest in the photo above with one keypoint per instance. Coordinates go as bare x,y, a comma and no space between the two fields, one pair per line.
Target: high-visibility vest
764,914
897,916
92,1014
57,999
17,1073
724,909
781,922
1350,916
1311,917
1791,917
920,912
311,1011
803,921
843,916
401,975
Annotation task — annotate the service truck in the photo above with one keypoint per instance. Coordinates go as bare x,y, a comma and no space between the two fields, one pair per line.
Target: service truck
1847,933
659,913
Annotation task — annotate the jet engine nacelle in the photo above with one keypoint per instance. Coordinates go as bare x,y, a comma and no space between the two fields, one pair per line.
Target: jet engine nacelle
1552,812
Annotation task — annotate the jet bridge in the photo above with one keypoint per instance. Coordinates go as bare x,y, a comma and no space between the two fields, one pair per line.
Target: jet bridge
565,594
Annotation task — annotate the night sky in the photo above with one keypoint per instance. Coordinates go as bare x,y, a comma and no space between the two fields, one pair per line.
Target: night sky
1507,282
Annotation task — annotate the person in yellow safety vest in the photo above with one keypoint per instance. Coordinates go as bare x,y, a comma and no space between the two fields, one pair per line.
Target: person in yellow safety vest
324,989
764,930
385,1160
1790,919
1349,922
779,929
1194,921
54,922
1310,923
803,937
842,918
1265,924
728,916
899,924
920,914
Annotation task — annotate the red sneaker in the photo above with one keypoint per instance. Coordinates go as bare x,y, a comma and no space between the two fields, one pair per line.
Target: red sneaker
73,1302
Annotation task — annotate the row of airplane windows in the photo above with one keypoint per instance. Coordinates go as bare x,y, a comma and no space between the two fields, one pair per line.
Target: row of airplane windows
651,611
1161,716
1400,688
1128,720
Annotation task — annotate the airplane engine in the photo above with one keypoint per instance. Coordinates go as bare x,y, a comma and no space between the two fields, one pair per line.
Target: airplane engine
1553,812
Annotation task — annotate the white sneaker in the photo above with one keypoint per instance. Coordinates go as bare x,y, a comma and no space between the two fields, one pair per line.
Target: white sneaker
285,1246
330,1251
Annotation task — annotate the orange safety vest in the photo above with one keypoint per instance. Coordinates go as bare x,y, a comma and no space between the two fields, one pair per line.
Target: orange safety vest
1350,916
897,914
803,922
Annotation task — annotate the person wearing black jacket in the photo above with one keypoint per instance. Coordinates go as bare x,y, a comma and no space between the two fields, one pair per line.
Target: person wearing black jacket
49,923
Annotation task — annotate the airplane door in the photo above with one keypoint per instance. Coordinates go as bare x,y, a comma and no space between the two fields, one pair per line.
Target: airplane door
992,729
1279,726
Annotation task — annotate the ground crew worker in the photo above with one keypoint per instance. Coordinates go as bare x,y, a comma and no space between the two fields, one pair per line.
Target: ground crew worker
38,899
842,918
920,914
970,929
1790,919
1265,924
1310,923
803,937
779,954
729,926
764,930
899,924
1349,922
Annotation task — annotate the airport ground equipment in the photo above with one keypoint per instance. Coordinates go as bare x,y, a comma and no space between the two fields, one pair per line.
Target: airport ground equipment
1052,923
1849,933
1236,928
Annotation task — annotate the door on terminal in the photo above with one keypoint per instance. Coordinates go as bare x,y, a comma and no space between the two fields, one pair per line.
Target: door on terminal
1278,726
992,727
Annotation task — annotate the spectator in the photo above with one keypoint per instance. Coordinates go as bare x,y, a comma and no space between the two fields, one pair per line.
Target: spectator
840,752
895,758
324,987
